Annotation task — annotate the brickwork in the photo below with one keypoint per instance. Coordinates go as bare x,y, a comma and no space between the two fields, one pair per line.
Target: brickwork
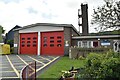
16,42
67,39
68,33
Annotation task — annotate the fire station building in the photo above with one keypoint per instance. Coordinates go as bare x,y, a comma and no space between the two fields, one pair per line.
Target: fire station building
44,39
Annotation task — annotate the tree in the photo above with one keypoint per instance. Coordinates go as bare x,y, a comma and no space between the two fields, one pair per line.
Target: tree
107,16
1,32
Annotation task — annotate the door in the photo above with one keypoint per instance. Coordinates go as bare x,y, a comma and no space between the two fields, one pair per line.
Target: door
28,43
95,44
52,43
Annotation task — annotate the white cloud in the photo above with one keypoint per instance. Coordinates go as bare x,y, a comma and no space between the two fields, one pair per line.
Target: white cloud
25,12
9,1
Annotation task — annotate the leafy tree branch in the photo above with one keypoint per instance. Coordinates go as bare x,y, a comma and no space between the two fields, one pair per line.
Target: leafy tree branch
107,16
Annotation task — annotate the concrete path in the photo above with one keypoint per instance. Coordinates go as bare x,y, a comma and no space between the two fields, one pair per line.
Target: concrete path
11,65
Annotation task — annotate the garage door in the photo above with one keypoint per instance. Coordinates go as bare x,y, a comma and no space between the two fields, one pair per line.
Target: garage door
52,43
28,43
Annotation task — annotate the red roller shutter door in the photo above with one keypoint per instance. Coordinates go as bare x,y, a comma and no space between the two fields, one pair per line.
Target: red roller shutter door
52,43
28,43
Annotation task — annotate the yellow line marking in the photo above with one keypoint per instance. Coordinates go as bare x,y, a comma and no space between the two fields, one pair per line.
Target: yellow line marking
10,77
31,68
47,64
3,64
45,58
13,66
7,71
51,56
32,73
37,60
18,63
22,60
20,66
4,67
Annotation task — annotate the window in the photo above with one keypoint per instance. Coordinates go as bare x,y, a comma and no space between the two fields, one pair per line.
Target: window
23,38
51,37
28,45
45,45
34,38
23,45
59,37
45,39
79,43
28,38
34,45
85,44
51,45
89,44
51,41
59,45
59,41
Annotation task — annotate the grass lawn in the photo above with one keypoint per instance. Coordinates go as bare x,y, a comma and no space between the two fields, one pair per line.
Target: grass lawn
64,63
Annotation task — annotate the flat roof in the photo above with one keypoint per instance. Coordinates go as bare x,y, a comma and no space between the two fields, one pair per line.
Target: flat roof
97,36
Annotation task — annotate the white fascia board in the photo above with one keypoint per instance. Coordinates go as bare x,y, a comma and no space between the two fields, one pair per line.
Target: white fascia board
104,36
41,29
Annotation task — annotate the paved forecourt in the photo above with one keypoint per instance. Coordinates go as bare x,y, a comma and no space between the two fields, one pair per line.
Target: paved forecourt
11,65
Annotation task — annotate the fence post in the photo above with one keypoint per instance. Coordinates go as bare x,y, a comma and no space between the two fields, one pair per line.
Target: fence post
26,71
35,70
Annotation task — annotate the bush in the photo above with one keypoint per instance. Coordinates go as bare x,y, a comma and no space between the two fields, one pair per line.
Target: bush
10,42
103,66
12,50
81,58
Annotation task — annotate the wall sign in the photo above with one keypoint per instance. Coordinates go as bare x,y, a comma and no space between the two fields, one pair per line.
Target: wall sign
66,43
15,45
105,43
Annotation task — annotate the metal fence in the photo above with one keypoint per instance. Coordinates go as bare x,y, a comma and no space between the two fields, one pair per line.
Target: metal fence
29,72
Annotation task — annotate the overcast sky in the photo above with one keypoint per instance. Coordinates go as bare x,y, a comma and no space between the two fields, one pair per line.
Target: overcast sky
26,12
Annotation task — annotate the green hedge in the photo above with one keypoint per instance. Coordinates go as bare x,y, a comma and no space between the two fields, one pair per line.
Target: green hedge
102,66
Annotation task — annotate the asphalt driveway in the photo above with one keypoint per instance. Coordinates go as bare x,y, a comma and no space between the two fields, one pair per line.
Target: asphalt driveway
11,65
